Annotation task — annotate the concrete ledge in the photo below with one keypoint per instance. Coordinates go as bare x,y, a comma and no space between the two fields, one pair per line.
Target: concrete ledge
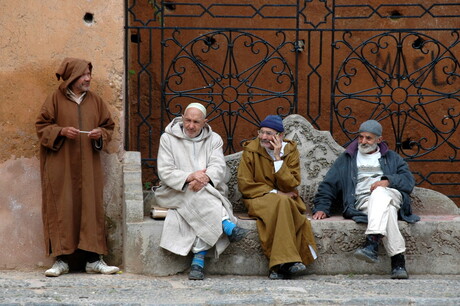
142,253
429,248
433,245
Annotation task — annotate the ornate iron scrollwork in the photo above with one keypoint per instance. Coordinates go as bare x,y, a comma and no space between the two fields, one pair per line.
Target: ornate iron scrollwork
234,74
408,79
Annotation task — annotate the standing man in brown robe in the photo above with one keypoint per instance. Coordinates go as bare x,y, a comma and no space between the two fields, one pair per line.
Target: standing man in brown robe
73,126
268,175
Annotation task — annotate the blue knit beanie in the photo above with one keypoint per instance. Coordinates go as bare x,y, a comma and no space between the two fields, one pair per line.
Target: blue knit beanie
371,126
274,122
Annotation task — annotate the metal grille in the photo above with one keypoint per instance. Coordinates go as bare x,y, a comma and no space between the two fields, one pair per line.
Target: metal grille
337,63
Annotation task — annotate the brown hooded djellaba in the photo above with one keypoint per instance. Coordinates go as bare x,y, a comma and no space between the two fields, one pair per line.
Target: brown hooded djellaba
71,172
284,231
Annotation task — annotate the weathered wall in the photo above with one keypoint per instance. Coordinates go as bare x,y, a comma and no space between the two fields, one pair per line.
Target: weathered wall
35,37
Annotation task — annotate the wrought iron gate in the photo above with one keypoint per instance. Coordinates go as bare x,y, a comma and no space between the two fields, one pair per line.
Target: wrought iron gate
337,63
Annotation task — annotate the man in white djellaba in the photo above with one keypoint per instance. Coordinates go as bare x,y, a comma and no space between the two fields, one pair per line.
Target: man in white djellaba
191,167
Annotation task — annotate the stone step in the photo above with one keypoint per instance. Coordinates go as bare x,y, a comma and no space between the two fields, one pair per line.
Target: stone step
433,245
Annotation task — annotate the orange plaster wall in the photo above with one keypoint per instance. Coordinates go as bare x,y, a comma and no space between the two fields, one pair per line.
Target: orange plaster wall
36,37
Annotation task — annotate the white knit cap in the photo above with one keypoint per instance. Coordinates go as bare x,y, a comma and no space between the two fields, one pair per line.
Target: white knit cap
198,106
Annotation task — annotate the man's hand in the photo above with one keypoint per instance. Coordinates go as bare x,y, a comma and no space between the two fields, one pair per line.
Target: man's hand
382,183
319,215
277,143
95,134
197,180
291,194
199,176
195,185
70,132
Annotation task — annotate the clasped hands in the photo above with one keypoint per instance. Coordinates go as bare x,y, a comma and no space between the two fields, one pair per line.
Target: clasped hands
197,180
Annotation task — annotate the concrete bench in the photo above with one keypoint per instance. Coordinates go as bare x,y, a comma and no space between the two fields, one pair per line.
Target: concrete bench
433,244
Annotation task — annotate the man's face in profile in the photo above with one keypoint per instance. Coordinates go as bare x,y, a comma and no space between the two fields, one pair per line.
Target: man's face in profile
82,83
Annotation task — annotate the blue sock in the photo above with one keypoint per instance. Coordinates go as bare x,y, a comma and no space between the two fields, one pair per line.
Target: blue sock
228,226
198,258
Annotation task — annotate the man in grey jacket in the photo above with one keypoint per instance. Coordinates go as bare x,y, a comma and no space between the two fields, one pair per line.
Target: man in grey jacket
373,184
192,168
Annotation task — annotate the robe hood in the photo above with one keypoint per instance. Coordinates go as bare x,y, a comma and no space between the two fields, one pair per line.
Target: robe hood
70,70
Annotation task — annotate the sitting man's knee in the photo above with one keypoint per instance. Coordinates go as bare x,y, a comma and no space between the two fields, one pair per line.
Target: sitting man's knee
379,192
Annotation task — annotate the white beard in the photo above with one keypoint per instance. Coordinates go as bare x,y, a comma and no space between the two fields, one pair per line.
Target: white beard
366,148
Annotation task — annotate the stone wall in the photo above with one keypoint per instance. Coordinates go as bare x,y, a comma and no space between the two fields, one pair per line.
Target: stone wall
36,37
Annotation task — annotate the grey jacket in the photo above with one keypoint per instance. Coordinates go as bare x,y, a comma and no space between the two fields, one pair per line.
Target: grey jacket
339,184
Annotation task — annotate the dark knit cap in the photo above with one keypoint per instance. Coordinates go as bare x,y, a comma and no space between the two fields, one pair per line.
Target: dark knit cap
274,122
371,126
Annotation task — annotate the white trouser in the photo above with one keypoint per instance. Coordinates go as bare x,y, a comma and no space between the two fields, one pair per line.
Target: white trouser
382,214
199,245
